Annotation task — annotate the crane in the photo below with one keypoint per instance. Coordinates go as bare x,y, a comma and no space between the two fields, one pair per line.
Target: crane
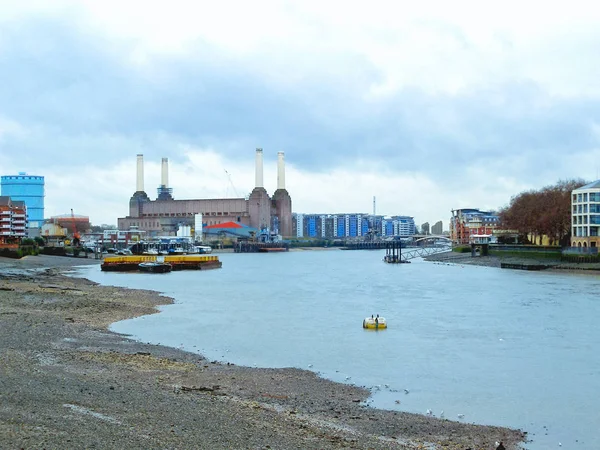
76,235
231,182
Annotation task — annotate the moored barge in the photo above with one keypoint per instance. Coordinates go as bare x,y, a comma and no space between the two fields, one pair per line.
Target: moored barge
177,262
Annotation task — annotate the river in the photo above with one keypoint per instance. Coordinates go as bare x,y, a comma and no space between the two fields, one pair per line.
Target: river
495,346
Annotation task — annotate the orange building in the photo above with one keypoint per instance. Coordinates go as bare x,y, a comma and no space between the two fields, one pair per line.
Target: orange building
467,222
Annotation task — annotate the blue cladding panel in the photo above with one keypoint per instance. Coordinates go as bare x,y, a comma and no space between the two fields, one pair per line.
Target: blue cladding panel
312,227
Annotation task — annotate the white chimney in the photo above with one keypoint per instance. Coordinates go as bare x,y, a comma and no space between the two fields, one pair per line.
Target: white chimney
164,175
139,182
259,168
280,170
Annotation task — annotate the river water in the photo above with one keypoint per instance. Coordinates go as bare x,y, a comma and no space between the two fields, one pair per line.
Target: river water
500,347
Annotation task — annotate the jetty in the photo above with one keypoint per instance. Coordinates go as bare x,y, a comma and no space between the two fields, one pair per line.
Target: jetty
178,262
260,247
523,266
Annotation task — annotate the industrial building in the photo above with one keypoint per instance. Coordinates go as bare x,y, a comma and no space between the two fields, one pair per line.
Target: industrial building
468,221
585,206
165,215
13,220
29,189
354,225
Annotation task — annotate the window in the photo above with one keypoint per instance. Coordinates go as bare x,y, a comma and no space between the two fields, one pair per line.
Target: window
594,196
585,196
595,219
578,197
585,209
579,209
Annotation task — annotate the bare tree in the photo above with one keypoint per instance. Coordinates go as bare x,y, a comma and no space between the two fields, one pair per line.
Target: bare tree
546,212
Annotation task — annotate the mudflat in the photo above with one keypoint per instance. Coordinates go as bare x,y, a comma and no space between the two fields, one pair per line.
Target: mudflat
68,382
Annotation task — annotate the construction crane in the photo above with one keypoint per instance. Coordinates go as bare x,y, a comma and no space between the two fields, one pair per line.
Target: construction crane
76,235
231,182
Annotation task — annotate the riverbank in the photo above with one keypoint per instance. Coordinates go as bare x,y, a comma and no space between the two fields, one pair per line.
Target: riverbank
67,382
496,261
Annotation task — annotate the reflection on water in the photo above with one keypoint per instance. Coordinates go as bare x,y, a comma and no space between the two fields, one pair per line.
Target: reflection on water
493,346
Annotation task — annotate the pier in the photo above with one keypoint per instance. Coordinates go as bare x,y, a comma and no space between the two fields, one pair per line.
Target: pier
523,266
260,247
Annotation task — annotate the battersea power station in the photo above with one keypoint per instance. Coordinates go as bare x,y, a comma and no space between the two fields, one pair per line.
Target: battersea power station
165,215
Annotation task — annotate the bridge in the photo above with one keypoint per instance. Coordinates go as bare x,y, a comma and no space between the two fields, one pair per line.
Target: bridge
421,252
395,254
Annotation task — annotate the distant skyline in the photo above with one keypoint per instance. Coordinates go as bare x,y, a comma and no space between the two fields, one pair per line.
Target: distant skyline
428,108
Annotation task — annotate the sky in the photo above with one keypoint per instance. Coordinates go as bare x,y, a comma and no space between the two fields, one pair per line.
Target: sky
428,107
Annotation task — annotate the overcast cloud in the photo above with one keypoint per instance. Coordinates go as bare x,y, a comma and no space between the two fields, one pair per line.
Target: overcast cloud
429,108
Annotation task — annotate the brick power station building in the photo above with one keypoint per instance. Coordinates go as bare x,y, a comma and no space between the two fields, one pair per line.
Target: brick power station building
165,215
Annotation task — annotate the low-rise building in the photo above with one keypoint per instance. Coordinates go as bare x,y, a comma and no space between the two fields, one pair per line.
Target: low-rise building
13,221
468,221
585,208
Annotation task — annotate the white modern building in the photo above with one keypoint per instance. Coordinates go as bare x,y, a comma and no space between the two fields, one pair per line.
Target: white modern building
585,208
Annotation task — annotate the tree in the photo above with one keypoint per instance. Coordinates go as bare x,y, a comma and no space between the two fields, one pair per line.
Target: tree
546,212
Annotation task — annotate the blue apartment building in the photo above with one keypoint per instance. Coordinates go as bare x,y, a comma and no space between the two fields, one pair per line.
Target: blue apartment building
353,225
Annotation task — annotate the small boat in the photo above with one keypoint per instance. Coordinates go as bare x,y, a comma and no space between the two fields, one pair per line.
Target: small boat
374,323
155,267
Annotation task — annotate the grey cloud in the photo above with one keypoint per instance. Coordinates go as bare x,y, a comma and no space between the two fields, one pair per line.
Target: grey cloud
76,97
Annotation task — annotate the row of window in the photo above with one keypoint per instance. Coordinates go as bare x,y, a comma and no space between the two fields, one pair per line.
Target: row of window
583,231
583,209
583,220
594,197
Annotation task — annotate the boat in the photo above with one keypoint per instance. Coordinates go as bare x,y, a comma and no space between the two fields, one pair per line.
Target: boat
155,267
374,323
272,249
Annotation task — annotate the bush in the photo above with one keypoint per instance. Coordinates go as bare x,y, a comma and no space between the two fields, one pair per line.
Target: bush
462,249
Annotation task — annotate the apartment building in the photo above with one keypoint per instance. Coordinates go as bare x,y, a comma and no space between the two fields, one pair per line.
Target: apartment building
13,220
585,207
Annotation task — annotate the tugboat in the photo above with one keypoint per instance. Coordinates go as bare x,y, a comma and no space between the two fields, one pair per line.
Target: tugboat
155,267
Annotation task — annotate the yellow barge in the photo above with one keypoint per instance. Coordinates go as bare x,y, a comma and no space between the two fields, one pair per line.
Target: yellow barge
178,262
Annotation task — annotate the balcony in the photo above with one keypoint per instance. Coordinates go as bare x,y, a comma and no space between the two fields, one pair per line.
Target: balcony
19,216
6,213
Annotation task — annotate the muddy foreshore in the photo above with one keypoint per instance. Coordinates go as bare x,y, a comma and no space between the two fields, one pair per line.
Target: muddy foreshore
67,382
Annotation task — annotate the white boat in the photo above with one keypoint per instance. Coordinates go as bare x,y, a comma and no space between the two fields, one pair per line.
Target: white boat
150,251
203,249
